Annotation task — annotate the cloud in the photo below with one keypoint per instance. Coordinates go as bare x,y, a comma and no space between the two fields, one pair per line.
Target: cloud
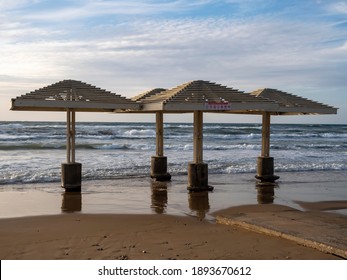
77,9
132,55
339,7
6,5
253,53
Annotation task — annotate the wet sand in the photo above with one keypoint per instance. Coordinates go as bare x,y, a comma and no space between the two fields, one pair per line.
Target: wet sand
141,219
301,191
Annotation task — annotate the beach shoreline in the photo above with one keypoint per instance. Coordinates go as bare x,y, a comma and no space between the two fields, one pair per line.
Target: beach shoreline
138,218
141,237
324,191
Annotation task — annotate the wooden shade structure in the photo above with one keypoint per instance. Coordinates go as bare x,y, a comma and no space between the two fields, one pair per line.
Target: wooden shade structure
194,97
289,104
198,97
72,96
203,96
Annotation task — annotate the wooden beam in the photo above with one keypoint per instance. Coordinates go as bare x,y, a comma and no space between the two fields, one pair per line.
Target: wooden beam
198,137
265,150
159,134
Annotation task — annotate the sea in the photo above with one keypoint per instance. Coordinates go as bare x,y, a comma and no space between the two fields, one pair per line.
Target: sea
32,152
311,160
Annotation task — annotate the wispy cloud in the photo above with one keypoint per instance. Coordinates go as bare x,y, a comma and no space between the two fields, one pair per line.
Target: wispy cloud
132,54
339,7
78,9
6,5
230,50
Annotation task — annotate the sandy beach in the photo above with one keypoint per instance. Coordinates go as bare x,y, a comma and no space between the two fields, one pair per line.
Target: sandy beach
141,219
139,237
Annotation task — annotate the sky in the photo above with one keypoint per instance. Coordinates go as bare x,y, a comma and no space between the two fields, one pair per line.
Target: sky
128,47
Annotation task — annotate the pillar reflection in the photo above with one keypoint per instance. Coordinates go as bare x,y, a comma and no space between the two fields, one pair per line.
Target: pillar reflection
266,193
71,202
159,196
199,202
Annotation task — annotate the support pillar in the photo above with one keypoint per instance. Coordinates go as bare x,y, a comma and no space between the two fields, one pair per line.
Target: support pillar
198,170
71,171
159,162
265,163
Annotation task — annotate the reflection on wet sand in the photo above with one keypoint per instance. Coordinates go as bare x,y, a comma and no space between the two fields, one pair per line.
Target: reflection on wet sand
159,196
266,193
72,202
199,202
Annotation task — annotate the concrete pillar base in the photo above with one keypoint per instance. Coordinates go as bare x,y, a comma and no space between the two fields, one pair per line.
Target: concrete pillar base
71,176
198,177
265,171
159,169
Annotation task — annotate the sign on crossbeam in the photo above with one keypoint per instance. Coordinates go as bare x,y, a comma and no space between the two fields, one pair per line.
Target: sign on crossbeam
218,106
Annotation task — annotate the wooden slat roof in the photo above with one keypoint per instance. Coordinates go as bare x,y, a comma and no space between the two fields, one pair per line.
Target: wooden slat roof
191,96
205,96
147,94
293,104
71,94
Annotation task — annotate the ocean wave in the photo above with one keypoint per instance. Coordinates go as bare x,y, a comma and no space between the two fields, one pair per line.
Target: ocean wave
31,146
175,126
306,135
140,132
7,125
138,147
310,166
100,146
21,176
29,177
104,149
61,145
232,136
251,168
233,147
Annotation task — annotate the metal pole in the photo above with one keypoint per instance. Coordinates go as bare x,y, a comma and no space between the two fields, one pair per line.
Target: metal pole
68,138
73,135
265,151
159,134
198,137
